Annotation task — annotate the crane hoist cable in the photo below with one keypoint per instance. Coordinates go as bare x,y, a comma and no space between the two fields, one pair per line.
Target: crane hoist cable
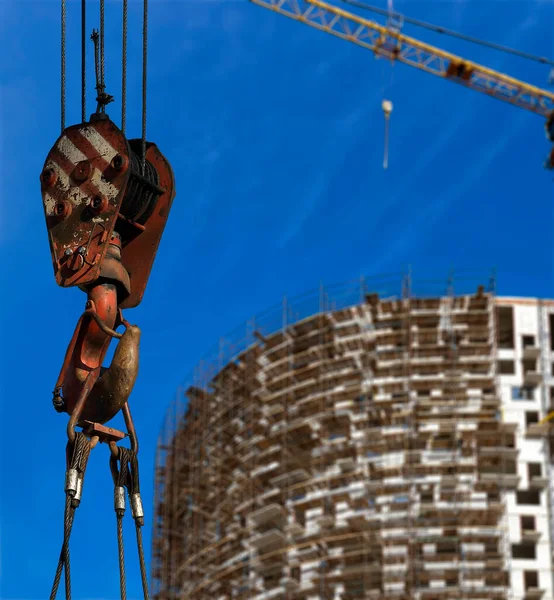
102,48
386,105
144,79
83,61
62,63
106,201
101,68
124,69
76,467
126,477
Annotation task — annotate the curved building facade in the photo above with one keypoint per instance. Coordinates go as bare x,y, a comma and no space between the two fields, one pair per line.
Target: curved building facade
377,448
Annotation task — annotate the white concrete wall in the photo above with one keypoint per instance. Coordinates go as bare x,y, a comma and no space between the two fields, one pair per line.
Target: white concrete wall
527,321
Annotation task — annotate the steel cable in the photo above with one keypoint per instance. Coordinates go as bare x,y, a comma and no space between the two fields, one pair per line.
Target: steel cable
120,478
68,526
124,70
64,553
83,61
121,549
82,467
102,60
140,546
123,475
144,81
135,481
63,66
81,452
139,523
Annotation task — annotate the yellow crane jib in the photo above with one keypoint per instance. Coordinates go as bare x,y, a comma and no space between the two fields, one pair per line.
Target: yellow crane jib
393,45
397,46
547,419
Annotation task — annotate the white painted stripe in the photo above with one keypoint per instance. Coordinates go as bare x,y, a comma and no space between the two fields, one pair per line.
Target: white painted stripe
70,151
63,179
49,203
100,144
65,185
104,187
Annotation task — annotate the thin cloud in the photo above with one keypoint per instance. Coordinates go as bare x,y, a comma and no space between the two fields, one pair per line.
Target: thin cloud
414,232
324,171
314,190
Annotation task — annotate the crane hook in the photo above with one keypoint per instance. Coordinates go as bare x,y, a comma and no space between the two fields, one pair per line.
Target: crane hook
386,105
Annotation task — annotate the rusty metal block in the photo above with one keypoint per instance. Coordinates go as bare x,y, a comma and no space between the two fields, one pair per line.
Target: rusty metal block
106,434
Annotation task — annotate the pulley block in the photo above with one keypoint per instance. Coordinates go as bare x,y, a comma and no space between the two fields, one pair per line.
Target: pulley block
96,188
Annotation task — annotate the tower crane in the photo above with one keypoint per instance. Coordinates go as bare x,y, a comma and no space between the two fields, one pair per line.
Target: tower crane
391,44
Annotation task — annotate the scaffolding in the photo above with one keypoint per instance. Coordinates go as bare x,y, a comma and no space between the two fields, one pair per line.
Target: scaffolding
348,444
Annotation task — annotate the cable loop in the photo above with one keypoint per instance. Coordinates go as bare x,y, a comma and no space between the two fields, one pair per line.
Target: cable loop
77,455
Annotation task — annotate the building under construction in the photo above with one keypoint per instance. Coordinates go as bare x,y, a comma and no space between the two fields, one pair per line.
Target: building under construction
358,444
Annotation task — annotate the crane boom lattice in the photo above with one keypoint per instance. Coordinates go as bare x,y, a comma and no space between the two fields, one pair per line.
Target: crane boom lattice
390,44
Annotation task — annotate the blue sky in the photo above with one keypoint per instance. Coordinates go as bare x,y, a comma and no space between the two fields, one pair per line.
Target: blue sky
275,133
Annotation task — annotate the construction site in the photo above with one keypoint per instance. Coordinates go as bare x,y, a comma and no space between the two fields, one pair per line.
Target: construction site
387,438
357,444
